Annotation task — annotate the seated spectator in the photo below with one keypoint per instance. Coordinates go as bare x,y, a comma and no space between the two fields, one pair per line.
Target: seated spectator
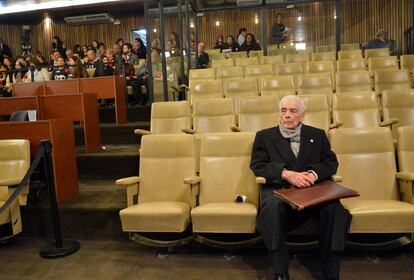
156,44
120,42
5,88
219,42
60,71
93,67
8,63
102,50
58,45
250,44
241,38
203,57
21,72
84,51
42,60
39,72
54,56
139,49
381,42
77,50
4,50
230,45
109,63
128,55
68,54
75,67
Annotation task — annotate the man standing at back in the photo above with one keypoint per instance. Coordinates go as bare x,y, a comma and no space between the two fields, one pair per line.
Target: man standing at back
294,154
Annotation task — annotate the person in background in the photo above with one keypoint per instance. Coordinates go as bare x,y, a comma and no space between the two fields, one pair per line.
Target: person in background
58,45
77,50
60,71
230,44
5,88
278,30
203,58
241,38
4,50
128,55
250,44
109,63
102,50
38,71
54,56
139,48
381,41
21,72
75,67
219,42
92,62
84,51
156,44
120,42
68,54
8,63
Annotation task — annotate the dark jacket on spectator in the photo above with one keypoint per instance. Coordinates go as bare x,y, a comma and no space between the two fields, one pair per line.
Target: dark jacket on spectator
253,46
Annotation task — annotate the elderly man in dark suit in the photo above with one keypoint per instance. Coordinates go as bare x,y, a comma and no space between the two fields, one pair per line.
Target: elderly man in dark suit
294,154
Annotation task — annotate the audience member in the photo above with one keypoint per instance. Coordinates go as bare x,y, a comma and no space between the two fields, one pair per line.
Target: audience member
250,44
4,50
219,42
77,50
57,45
102,50
203,57
230,45
381,42
21,74
38,71
278,31
75,67
128,55
84,51
109,63
93,66
120,42
5,88
156,44
241,38
68,54
139,48
60,71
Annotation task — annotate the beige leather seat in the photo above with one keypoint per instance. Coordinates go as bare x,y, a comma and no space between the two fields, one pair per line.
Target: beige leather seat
289,69
257,113
215,63
350,54
326,48
317,111
272,50
197,74
213,51
275,59
382,63
200,89
216,57
315,84
14,163
258,53
353,81
236,55
405,148
247,61
357,64
315,67
225,173
398,104
369,53
230,72
259,70
350,47
407,62
164,200
278,86
168,117
367,164
358,109
213,115
285,49
391,79
297,58
235,88
324,56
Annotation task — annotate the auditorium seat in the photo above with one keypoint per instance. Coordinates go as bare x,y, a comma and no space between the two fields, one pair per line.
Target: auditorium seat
229,72
272,50
391,79
236,55
275,59
278,86
14,163
164,200
350,54
405,150
326,48
213,115
369,53
315,67
378,209
407,62
356,64
197,74
358,109
258,53
222,63
246,61
288,69
382,63
398,104
257,113
297,58
204,89
225,173
216,57
353,81
168,117
350,47
235,88
315,84
259,70
324,56
317,111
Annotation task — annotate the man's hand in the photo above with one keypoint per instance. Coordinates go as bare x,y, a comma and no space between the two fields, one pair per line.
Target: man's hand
299,179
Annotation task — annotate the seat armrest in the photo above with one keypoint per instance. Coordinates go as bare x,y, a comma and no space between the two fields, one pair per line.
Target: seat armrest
128,181
260,180
235,128
184,86
407,176
335,125
142,132
194,182
132,184
406,186
336,178
188,130
389,122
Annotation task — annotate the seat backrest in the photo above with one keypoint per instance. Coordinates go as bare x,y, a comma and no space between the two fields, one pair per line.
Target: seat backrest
317,111
213,115
357,64
350,47
376,53
196,74
356,109
324,56
405,148
14,161
258,112
349,54
398,104
19,116
288,69
326,48
353,81
246,61
407,62
391,79
230,72
380,63
224,168
297,58
278,85
205,89
275,59
235,88
259,70
236,55
315,84
165,160
222,63
366,161
258,53
314,67
170,117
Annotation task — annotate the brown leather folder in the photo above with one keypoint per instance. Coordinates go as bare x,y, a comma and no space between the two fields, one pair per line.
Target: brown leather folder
320,193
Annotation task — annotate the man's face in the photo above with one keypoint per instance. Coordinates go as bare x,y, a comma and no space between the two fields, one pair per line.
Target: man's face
115,49
136,45
69,53
91,56
381,36
56,55
125,50
290,115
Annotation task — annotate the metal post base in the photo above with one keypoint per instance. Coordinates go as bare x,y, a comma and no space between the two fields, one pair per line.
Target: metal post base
51,252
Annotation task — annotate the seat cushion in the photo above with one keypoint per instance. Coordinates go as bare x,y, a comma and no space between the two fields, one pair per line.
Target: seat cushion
380,216
160,216
226,217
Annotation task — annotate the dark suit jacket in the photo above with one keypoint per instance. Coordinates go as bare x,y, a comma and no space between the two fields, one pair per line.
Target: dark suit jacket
272,153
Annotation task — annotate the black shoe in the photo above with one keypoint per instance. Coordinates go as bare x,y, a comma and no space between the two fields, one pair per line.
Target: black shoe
284,276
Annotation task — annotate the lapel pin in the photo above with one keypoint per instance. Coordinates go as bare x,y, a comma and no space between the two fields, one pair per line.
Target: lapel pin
311,140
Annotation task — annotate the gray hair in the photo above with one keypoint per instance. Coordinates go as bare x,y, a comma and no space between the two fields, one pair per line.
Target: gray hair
293,98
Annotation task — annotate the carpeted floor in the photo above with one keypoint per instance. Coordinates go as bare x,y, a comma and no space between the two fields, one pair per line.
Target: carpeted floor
128,260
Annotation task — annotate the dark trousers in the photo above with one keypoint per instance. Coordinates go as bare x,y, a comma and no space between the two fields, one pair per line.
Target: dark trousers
277,218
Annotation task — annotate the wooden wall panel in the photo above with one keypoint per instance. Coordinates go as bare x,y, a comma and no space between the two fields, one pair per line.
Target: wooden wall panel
360,21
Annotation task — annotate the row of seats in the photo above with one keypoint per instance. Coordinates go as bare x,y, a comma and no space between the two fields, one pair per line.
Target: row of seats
254,113
199,183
